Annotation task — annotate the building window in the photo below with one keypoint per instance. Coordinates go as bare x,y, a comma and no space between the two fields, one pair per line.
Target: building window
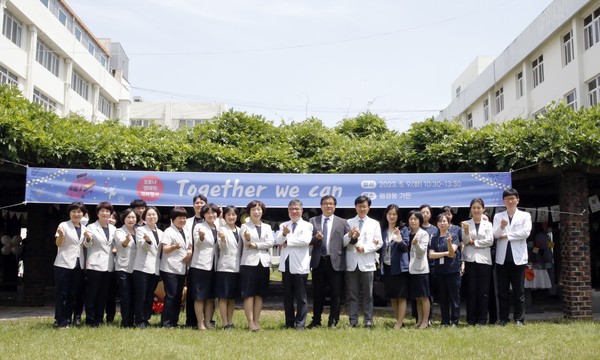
45,2
568,49
78,33
458,91
12,28
571,99
43,99
591,29
6,77
594,91
538,70
486,110
190,123
141,122
519,85
62,17
499,100
79,85
47,58
469,122
539,114
91,48
105,106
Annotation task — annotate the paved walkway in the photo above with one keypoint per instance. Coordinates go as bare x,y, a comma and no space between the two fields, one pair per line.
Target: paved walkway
541,313
543,308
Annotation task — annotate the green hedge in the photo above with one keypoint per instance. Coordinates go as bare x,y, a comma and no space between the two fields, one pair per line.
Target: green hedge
239,142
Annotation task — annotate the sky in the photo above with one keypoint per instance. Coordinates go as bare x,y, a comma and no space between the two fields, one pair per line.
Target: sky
289,60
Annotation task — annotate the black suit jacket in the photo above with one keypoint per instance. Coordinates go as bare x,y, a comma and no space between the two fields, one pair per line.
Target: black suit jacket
337,229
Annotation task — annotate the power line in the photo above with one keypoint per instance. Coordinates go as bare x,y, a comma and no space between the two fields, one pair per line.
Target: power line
283,107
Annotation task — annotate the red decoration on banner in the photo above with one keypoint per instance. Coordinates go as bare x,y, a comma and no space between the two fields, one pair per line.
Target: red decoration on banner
150,188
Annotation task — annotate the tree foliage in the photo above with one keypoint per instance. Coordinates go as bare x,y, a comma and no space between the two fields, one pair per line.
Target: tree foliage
239,142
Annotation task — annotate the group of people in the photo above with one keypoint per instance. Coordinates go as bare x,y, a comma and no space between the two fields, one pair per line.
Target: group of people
217,258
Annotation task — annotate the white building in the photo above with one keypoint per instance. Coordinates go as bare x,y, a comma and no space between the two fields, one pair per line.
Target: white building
556,58
56,61
173,115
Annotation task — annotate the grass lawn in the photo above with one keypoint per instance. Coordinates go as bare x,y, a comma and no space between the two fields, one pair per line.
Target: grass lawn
37,339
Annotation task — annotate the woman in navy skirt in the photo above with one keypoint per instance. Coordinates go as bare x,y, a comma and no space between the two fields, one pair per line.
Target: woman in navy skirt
394,255
419,267
255,265
202,265
227,285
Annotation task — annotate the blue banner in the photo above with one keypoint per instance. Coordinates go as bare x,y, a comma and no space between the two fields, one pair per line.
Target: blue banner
63,186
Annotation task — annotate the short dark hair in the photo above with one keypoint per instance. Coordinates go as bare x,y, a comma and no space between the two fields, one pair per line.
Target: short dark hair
77,205
201,197
206,208
177,211
230,208
389,208
417,214
138,203
361,199
446,208
296,202
477,200
150,208
425,206
327,197
510,192
440,216
255,203
126,213
105,205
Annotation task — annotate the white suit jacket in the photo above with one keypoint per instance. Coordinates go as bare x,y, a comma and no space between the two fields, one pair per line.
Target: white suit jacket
203,257
71,248
147,258
172,262
230,250
125,254
188,226
251,257
481,251
100,257
517,231
297,248
366,261
418,259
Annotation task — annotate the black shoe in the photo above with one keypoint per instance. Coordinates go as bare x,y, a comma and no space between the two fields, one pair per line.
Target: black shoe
332,325
300,328
368,324
353,325
142,325
77,322
228,327
501,322
313,325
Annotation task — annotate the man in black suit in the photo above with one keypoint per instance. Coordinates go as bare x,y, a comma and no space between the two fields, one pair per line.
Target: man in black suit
328,260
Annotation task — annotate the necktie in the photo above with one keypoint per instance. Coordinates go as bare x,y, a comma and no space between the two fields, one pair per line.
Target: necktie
294,227
324,241
360,224
183,236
